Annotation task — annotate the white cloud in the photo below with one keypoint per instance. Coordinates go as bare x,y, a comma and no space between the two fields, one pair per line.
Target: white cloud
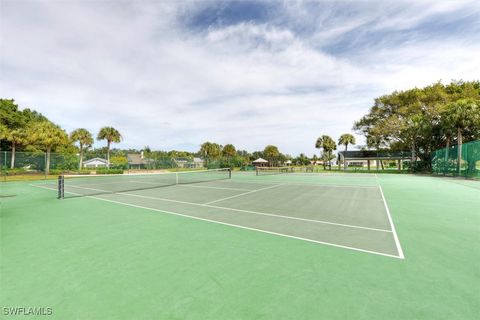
137,68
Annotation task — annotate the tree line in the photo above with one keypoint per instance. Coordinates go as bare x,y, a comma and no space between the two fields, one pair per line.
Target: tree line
34,132
422,120
28,130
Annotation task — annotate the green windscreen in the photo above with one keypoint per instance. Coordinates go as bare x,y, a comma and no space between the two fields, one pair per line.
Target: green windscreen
447,161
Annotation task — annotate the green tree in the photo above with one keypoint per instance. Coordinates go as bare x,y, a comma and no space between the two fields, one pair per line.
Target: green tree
16,137
14,125
119,162
256,154
48,136
3,134
302,159
111,135
319,145
10,116
243,153
329,146
414,119
463,116
346,139
84,139
271,154
209,151
229,151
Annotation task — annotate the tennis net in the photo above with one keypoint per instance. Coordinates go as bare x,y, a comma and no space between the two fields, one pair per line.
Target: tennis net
261,171
77,186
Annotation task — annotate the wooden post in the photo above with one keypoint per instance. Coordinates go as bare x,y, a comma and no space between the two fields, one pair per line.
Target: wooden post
368,164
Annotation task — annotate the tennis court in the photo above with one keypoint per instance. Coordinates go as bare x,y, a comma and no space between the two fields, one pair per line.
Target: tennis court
298,245
352,216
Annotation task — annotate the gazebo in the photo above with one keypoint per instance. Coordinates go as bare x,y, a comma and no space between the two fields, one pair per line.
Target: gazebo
260,163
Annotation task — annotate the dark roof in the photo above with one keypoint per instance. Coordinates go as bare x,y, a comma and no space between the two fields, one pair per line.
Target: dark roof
374,154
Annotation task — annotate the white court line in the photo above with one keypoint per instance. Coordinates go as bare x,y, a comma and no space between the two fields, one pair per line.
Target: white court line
394,232
208,187
243,194
241,210
258,213
343,175
238,226
300,184
249,228
192,186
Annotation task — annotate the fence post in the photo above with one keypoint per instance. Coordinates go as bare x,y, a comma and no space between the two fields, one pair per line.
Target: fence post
4,166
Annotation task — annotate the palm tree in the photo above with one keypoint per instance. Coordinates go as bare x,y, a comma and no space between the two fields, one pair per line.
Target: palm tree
85,140
346,139
463,115
111,135
328,146
319,145
16,137
49,136
229,151
210,150
271,153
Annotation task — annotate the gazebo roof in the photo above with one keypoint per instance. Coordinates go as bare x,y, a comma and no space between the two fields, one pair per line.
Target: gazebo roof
260,160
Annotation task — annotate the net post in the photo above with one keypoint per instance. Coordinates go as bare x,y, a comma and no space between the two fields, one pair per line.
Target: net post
229,173
61,187
256,171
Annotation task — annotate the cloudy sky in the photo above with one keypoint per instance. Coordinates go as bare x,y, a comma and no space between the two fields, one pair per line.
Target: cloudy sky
173,74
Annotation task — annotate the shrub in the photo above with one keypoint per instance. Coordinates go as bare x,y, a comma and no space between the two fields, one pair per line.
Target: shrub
15,171
109,171
57,171
84,171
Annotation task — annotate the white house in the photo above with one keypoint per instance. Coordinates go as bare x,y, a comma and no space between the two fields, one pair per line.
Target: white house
196,163
95,163
187,163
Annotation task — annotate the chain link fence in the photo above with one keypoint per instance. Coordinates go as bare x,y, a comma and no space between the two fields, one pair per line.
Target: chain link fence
454,162
35,163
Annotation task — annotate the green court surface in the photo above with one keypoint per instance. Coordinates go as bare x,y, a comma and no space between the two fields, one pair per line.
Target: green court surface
289,246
